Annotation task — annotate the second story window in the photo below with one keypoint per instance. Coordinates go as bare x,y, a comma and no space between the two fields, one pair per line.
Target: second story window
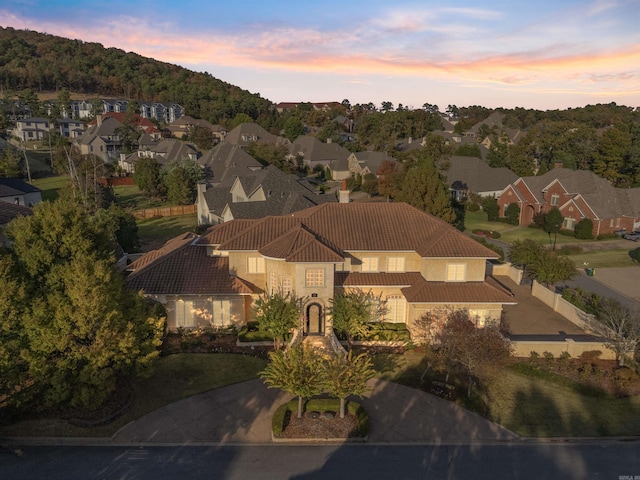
314,277
287,286
554,200
395,264
456,272
255,265
369,264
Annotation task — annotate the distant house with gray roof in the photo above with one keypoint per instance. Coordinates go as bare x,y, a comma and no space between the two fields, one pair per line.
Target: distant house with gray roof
18,192
226,160
256,194
362,163
577,194
466,175
165,151
315,152
247,133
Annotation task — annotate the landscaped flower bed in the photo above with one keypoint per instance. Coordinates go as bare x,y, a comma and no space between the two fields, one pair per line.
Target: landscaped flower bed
320,421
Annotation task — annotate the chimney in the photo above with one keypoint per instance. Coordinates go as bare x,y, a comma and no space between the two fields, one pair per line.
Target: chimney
343,196
410,140
98,120
329,140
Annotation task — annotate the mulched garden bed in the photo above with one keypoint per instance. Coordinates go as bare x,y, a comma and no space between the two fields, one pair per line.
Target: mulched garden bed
317,425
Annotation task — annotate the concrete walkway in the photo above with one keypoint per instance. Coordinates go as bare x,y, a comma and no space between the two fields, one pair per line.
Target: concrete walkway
241,413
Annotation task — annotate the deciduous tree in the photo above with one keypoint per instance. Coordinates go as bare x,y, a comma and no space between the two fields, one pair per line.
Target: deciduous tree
353,311
619,327
278,314
295,370
345,375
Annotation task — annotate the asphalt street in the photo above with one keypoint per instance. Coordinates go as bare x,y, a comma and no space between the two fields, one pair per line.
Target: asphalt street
519,461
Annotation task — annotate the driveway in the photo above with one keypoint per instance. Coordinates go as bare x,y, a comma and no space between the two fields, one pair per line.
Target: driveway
241,414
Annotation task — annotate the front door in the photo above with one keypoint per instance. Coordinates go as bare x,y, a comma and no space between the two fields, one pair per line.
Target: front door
315,320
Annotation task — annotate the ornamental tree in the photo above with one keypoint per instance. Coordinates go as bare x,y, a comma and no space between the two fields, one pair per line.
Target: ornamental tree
296,371
353,311
277,314
346,375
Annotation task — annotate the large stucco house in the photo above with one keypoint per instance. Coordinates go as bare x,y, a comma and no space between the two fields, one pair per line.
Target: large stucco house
412,260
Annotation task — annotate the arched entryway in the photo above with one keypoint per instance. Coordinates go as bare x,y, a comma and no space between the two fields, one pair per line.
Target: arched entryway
314,324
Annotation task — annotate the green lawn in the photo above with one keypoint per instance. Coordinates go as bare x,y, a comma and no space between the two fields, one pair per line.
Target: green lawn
153,232
129,196
175,377
51,185
603,259
536,407
531,406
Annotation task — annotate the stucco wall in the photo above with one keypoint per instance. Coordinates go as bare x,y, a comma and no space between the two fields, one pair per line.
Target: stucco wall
575,348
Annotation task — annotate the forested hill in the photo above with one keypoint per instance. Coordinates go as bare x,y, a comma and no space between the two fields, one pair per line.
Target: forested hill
46,63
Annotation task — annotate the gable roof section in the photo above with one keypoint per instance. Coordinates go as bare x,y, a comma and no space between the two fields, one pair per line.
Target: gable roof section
602,198
255,132
313,150
183,268
10,187
300,245
365,227
227,160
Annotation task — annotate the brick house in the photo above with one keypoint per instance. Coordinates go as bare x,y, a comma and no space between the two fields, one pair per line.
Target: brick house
578,194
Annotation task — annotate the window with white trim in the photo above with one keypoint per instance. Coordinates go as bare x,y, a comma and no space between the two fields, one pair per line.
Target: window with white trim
395,264
255,265
554,200
456,272
314,277
396,309
568,223
369,264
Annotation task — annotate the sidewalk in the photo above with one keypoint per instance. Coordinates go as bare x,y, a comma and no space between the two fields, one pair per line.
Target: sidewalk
241,414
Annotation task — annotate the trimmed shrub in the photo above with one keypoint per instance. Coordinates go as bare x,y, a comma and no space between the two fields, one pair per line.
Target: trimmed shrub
512,213
606,236
584,229
566,233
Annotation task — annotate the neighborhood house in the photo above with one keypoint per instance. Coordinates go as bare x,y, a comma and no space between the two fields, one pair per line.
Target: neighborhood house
412,260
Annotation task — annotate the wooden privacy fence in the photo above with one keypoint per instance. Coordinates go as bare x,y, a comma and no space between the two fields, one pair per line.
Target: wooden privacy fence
165,211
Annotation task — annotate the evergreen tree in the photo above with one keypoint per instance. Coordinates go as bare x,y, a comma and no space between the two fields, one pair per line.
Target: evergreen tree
424,188
81,329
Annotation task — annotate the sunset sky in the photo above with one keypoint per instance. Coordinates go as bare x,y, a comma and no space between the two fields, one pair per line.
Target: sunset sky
543,54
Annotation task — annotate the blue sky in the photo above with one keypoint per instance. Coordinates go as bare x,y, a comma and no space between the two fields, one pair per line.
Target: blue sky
544,54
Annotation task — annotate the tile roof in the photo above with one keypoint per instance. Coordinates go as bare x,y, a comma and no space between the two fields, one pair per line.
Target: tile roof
357,279
364,227
183,268
489,291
